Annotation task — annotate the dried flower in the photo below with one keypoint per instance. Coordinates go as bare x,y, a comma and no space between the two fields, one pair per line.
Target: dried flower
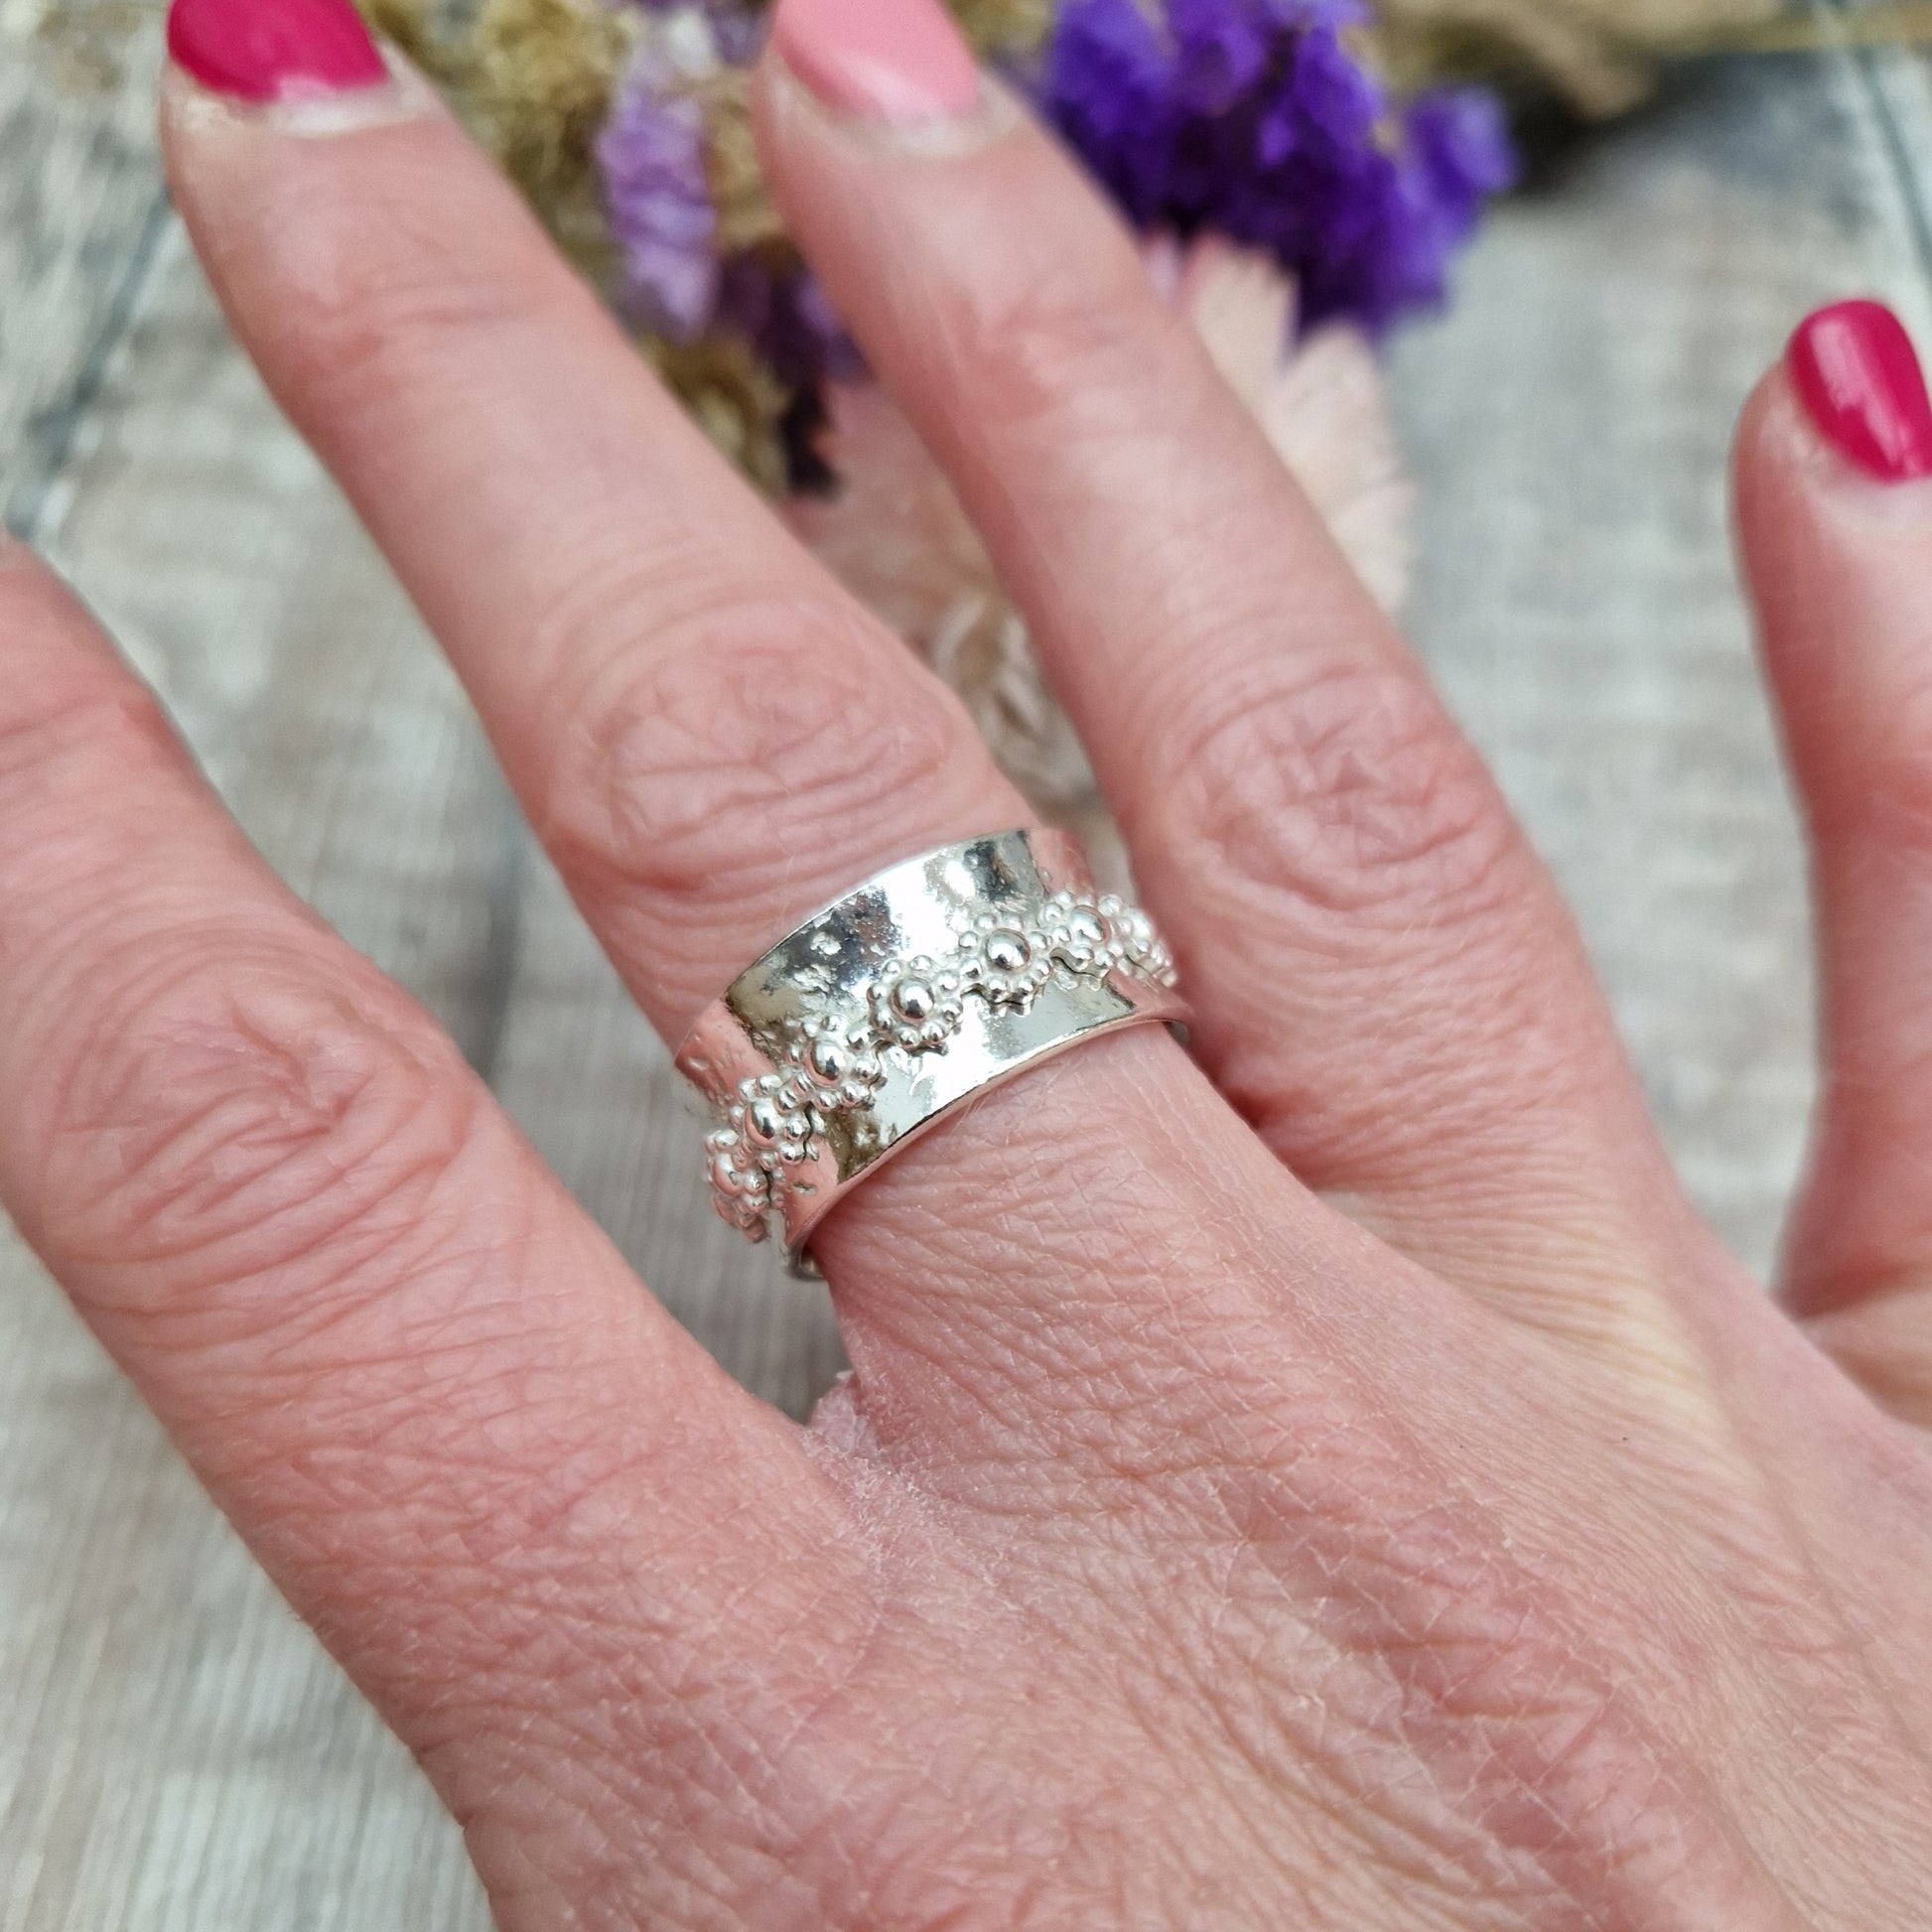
1253,120
1003,30
652,154
1598,54
734,399
748,217
542,76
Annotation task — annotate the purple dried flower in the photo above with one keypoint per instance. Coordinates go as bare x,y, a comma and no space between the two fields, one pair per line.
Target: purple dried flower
740,34
1335,101
1458,138
783,312
1220,54
1106,89
1252,120
652,154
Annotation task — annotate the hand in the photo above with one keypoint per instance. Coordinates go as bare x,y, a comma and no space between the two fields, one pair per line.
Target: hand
1330,1481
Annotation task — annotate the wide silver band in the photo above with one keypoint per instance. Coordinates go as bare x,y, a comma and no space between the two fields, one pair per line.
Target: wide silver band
929,984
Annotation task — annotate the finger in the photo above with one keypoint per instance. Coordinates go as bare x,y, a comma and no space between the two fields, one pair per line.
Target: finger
1834,514
1386,983
712,739
530,1515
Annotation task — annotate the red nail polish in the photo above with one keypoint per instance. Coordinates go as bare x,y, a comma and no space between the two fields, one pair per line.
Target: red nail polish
273,49
1855,367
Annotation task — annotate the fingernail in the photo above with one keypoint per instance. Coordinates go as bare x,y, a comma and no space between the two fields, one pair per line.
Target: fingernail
273,49
1855,368
899,62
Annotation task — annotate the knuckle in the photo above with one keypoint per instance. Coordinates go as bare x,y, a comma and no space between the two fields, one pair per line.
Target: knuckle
1352,794
682,760
213,1121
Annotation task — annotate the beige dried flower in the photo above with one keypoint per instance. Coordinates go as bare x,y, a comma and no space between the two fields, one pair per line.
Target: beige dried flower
746,215
410,25
1002,27
1599,54
733,398
896,536
540,76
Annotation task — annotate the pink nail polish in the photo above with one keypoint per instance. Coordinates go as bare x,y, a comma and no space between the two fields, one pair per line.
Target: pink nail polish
273,49
899,61
1855,368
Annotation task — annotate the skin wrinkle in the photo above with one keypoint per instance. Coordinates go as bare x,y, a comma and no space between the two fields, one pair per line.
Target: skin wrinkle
1146,1278
317,1108
1185,1434
590,639
656,795
687,1834
1886,1778
793,1836
494,1405
1342,792
499,1550
273,1164
922,1921
630,1733
843,1874
629,1730
1393,1617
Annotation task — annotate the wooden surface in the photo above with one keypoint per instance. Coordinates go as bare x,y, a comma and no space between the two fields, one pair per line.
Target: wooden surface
175,1753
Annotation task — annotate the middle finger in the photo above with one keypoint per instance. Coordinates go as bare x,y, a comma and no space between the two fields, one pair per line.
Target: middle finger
711,738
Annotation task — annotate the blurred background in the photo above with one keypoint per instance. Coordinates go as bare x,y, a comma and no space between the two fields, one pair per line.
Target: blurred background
176,1752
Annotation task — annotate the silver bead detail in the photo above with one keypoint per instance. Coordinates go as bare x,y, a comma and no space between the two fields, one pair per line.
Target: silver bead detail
913,1000
916,1006
835,1062
1005,964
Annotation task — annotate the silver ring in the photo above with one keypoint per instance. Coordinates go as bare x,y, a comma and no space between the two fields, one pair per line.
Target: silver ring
931,982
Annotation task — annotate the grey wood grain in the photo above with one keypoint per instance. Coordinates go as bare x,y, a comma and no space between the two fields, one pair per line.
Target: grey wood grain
175,1750
77,232
1571,418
